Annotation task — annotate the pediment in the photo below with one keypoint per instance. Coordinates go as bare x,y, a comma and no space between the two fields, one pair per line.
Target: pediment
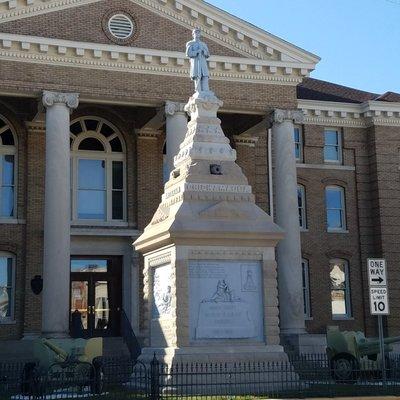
162,25
88,23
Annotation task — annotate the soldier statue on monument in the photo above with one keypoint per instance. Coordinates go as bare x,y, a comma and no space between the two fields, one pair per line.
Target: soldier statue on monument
198,53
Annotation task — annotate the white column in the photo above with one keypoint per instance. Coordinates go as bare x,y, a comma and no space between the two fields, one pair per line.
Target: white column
287,217
176,126
57,216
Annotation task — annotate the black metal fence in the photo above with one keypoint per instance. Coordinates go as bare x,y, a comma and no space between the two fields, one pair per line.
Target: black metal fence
121,378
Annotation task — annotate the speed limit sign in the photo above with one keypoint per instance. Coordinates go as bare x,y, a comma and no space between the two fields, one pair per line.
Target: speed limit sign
379,301
378,290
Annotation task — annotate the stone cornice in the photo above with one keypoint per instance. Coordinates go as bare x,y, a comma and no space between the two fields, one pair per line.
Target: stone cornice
36,127
228,30
16,9
160,259
148,133
349,114
127,59
222,27
242,140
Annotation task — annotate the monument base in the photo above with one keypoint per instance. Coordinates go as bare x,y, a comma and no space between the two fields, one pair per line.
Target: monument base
223,370
217,354
304,343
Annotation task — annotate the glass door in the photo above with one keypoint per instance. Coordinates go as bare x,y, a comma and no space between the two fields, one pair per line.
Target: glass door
96,297
101,308
80,308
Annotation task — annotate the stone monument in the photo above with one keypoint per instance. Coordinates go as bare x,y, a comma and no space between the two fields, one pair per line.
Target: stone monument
210,281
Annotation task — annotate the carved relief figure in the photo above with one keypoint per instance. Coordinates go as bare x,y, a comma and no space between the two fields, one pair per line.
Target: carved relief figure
223,294
198,53
249,284
162,292
166,301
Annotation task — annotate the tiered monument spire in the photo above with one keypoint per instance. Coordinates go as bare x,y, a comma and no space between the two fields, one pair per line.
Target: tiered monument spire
209,249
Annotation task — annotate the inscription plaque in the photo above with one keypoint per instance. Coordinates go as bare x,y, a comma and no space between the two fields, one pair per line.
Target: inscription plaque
225,300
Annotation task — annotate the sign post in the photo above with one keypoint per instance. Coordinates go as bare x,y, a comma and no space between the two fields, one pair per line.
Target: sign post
379,300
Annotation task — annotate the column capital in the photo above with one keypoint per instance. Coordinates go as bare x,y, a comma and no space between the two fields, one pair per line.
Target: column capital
71,100
173,107
279,116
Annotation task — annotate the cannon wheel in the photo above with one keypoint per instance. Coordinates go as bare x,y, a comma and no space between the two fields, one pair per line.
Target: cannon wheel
97,377
345,368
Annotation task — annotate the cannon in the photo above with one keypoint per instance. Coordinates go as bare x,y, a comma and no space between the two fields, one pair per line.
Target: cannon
350,352
60,362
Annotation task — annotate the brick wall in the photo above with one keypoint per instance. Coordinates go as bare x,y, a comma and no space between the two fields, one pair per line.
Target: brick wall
137,88
318,245
383,152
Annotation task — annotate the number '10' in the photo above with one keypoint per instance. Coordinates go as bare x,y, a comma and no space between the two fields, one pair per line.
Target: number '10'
379,306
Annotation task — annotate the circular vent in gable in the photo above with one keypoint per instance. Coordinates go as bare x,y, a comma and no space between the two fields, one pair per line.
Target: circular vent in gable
121,26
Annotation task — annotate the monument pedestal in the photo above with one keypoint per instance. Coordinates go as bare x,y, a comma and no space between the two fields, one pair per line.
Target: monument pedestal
210,280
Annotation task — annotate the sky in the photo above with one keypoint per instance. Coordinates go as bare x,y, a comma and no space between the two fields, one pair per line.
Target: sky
358,40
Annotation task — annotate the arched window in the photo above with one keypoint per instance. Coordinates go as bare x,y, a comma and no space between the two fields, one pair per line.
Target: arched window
98,160
335,208
7,286
8,154
340,288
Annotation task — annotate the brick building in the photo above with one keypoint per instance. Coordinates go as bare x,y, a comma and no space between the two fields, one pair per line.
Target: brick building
125,61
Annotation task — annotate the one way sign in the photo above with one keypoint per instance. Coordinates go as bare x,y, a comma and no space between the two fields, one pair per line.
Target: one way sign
377,272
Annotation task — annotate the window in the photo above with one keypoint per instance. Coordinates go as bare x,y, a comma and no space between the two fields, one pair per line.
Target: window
84,265
340,288
301,198
6,286
335,208
7,170
298,144
165,164
98,171
333,146
306,288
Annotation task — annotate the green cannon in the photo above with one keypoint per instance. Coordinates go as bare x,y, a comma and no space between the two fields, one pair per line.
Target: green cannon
350,352
60,362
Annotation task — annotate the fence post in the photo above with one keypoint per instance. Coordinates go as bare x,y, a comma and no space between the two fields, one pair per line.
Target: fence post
154,379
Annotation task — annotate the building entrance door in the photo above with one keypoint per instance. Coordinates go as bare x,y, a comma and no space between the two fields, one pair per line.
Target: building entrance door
96,297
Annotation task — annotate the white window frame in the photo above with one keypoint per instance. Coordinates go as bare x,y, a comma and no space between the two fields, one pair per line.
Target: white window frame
9,151
306,288
303,208
11,318
347,290
299,144
340,189
339,146
108,157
